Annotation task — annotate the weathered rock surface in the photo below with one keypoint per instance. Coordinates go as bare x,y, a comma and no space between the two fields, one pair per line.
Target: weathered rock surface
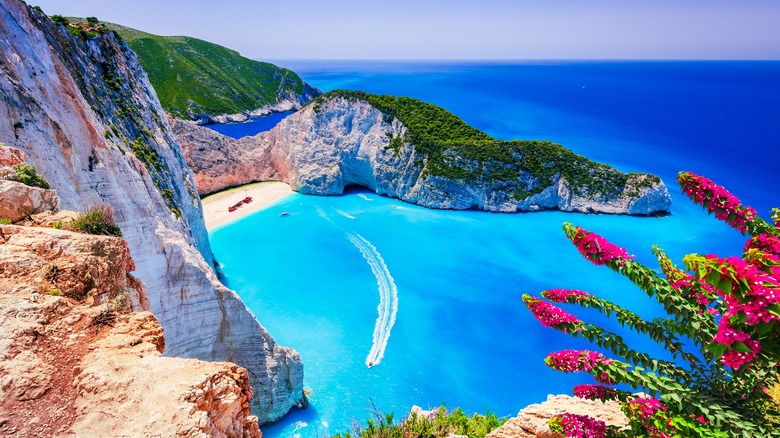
10,157
18,201
84,113
532,420
76,361
218,161
287,101
345,142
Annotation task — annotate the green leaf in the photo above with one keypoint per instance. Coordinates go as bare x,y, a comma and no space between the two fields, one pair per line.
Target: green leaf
717,349
713,277
725,285
740,347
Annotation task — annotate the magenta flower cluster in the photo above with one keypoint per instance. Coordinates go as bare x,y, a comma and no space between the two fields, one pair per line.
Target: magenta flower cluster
728,336
685,283
764,290
549,315
759,291
596,248
581,426
716,199
572,361
769,245
565,295
646,409
594,392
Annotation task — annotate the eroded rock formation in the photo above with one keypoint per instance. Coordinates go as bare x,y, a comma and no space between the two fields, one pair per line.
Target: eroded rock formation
531,422
339,142
82,110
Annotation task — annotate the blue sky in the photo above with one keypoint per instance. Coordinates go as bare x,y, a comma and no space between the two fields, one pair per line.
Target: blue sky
457,29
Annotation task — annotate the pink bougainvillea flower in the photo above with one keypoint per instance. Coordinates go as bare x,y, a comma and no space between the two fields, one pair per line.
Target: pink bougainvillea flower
565,295
581,426
549,315
717,200
572,361
594,392
596,248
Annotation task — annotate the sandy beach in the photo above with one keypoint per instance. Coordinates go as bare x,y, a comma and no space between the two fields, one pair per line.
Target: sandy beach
263,194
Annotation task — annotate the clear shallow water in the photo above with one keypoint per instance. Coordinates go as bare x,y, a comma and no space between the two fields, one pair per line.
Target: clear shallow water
250,127
461,334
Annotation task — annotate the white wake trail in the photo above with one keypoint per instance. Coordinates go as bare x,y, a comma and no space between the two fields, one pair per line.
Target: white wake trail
344,213
365,197
388,298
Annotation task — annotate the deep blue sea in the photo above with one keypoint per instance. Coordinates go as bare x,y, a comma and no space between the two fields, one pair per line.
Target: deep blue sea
251,126
433,297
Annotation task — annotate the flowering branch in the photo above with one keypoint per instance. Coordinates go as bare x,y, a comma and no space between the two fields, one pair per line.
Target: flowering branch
727,307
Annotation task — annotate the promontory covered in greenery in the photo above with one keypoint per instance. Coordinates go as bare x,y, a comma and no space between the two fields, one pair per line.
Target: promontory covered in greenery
193,77
420,153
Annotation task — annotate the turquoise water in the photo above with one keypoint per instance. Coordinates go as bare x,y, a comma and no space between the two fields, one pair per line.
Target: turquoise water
316,277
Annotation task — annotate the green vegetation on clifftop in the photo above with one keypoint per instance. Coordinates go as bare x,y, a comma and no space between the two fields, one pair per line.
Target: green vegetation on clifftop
455,150
194,77
443,424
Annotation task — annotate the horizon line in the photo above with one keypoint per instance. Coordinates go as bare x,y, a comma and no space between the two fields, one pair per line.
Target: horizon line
526,59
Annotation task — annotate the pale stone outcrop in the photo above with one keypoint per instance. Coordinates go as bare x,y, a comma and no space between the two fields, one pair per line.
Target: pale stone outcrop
330,145
18,201
532,420
76,360
84,113
10,157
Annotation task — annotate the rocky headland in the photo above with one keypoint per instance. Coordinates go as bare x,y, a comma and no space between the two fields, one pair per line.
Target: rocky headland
80,107
202,81
383,144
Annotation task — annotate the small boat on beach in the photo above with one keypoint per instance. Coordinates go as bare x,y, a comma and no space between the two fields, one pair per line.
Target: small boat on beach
247,200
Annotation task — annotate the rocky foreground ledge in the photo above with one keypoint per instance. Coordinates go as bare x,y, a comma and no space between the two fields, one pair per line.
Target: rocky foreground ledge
351,138
76,358
531,421
80,354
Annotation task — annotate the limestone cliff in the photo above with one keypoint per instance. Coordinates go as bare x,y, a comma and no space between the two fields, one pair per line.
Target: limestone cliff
338,141
83,111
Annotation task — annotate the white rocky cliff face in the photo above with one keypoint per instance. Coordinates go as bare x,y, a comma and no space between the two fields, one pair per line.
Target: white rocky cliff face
85,115
339,142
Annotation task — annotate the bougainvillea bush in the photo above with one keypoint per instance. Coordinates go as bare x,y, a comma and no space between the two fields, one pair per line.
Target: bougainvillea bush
722,333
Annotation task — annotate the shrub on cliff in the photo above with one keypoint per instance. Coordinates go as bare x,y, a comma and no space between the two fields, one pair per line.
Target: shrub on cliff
96,220
722,333
442,424
26,174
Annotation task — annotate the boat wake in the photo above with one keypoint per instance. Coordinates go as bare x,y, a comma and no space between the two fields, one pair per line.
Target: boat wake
365,197
388,298
344,213
388,293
